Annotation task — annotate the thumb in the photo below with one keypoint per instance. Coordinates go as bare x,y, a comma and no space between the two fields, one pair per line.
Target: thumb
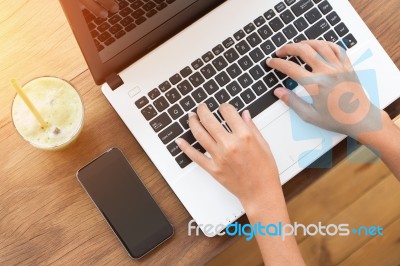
305,110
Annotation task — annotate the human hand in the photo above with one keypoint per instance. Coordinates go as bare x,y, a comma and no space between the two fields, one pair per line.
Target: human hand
241,161
101,7
338,100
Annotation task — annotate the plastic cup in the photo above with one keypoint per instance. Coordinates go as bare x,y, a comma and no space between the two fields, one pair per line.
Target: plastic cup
60,106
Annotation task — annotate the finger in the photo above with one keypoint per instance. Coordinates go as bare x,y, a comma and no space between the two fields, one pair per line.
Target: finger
199,132
249,122
289,68
110,5
325,51
194,154
232,118
340,53
304,51
305,110
210,122
95,8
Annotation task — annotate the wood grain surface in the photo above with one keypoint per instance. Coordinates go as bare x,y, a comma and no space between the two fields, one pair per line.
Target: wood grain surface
45,216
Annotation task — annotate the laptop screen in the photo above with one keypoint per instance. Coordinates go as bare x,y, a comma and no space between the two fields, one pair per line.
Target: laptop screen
134,20
111,44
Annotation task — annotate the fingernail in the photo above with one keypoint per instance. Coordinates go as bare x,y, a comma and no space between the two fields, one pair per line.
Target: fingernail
115,8
279,92
268,60
247,115
179,141
190,114
103,14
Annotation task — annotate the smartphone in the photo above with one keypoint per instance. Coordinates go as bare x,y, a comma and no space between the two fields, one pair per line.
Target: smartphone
125,203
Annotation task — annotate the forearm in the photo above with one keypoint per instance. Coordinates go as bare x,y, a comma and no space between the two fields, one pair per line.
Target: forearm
386,143
269,207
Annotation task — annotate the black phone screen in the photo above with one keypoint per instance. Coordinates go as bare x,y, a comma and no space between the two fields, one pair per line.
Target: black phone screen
125,203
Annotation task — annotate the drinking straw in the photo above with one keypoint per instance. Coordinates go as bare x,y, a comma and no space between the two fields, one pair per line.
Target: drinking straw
28,103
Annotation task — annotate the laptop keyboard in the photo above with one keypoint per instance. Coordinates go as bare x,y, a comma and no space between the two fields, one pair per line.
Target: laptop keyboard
105,31
235,71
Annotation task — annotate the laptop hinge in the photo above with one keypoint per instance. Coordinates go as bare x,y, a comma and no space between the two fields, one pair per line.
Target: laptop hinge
114,81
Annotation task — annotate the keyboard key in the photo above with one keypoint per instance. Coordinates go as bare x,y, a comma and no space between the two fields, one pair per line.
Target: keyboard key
173,96
259,87
184,87
276,24
341,29
141,102
290,84
279,39
160,122
271,80
249,28
135,5
289,2
265,32
207,57
149,6
109,41
268,47
287,16
289,32
149,112
161,104
234,71
280,7
313,15
248,96
256,72
222,96
211,87
186,72
164,86
301,7
199,95
212,104
208,71
231,55
299,38
317,29
333,18
222,79
151,13
237,103
254,39
170,133
262,103
331,36
269,14
259,21
325,7
183,160
218,49
196,79
242,47
256,55
140,20
187,103
245,80
175,79
197,64
228,42
154,93
341,44
175,111
173,148
301,24
245,63
234,88
239,35
184,121
220,63
349,40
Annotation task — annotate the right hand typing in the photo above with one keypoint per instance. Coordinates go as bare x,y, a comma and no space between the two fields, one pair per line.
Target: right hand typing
101,7
338,100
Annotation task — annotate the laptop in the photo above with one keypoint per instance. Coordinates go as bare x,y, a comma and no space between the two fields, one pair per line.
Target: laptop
157,60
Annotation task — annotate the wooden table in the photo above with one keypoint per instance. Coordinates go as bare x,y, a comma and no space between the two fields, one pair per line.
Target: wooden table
45,216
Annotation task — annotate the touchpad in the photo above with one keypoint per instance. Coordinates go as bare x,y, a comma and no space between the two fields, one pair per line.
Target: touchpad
291,139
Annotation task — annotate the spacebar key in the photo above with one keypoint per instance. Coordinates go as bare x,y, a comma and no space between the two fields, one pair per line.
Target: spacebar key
262,103
170,133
